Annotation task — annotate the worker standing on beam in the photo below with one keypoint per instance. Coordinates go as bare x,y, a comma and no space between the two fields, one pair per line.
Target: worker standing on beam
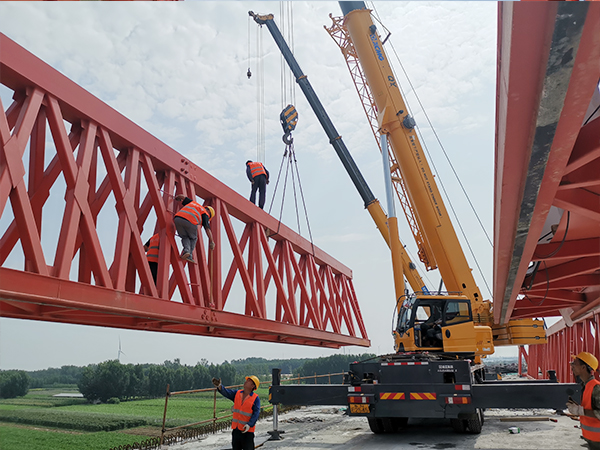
186,222
151,249
583,366
258,175
246,408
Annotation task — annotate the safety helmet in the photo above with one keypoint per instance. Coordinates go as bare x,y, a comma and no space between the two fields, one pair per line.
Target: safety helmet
587,358
211,212
255,379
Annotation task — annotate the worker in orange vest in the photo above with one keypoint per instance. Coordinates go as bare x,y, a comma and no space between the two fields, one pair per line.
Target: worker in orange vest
151,249
259,177
583,366
246,408
186,222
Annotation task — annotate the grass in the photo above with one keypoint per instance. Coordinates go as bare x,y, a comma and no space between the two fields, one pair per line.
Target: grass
41,421
16,437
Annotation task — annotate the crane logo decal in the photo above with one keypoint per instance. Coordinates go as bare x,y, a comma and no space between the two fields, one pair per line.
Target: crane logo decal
376,46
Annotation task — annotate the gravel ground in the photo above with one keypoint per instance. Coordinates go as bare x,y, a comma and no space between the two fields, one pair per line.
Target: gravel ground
319,428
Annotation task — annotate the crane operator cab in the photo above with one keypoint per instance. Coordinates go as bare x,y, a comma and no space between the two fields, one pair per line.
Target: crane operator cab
440,324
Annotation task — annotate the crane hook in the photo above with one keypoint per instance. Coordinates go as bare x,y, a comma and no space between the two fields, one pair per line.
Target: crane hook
249,74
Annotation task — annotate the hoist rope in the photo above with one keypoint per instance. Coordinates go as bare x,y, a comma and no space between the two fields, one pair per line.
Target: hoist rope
435,168
260,100
290,155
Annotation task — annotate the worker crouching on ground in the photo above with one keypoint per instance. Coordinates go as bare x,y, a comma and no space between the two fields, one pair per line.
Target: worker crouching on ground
246,408
186,222
583,366
259,177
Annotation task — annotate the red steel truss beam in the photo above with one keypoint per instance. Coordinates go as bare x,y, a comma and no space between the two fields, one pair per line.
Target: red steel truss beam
255,284
548,70
562,343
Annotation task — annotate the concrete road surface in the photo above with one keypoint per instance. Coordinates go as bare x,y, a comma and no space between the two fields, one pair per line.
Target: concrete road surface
319,428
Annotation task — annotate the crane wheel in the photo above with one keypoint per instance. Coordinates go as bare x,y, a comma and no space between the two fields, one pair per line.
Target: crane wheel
376,425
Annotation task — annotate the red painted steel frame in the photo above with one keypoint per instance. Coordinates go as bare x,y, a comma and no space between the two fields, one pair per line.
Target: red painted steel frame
541,106
556,354
290,294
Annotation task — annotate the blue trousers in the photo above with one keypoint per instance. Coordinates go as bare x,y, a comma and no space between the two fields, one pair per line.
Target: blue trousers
260,185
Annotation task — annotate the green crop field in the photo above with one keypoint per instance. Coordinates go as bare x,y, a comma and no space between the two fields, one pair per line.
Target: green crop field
41,421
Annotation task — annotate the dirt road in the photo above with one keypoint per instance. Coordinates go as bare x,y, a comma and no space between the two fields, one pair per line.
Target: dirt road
318,428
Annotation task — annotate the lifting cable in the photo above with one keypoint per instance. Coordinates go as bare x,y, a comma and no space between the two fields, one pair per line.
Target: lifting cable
289,119
260,90
447,159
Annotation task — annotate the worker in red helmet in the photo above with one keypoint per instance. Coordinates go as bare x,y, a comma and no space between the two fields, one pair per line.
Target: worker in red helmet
258,175
583,366
246,408
186,222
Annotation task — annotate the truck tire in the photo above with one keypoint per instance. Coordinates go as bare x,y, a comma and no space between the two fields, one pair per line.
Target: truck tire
458,425
375,425
389,424
401,422
474,425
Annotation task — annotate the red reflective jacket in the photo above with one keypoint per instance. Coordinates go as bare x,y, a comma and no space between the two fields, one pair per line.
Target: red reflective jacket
590,426
193,212
257,168
242,412
152,253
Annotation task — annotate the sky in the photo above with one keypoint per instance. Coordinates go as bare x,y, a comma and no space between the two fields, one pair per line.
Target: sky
179,71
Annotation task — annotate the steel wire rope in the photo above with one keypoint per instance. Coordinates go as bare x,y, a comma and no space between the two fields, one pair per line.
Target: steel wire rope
293,154
260,99
434,166
285,153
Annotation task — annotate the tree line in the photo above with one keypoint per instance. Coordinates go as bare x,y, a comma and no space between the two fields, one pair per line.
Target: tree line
114,381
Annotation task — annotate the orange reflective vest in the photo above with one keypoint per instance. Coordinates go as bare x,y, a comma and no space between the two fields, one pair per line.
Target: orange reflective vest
590,426
256,169
193,212
242,412
152,253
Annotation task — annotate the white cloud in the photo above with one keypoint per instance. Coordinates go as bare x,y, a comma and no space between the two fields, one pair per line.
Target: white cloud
179,71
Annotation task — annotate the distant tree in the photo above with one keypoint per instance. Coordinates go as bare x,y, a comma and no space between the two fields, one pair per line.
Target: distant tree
55,376
182,379
105,380
201,379
330,364
158,378
13,383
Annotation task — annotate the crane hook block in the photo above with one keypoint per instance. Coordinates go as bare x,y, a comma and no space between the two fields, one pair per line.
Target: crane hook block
288,118
249,74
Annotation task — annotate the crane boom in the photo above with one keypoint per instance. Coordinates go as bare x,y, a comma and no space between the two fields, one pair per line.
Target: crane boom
370,202
394,120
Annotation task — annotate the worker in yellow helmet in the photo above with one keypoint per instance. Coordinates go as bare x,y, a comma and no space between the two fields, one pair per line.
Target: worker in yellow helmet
186,222
246,408
583,366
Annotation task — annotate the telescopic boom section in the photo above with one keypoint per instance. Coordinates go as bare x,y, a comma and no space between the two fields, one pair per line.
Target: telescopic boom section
422,190
371,203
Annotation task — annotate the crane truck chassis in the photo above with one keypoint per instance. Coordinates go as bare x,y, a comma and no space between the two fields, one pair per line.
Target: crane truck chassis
389,389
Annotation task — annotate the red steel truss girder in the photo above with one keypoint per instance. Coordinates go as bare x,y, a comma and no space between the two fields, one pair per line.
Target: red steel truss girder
562,344
545,85
292,292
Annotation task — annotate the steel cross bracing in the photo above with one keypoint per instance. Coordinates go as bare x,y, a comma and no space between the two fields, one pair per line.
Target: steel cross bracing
563,342
82,188
341,37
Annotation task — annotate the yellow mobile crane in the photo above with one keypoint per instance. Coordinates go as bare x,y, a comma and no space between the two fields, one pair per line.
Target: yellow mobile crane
439,339
460,322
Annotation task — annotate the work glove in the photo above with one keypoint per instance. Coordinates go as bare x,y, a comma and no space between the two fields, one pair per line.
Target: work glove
574,408
216,382
246,428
